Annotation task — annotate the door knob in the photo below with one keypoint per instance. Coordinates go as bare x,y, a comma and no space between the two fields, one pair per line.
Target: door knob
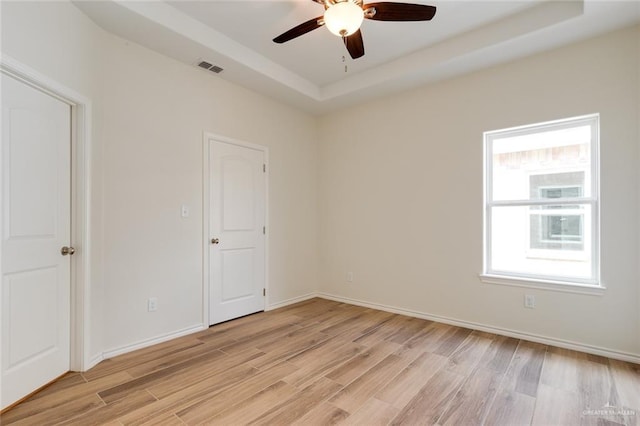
67,251
215,241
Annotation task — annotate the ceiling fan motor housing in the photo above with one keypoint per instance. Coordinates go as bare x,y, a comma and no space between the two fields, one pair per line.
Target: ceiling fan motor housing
343,18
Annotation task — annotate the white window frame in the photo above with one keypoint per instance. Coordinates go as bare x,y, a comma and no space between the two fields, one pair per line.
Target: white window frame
593,285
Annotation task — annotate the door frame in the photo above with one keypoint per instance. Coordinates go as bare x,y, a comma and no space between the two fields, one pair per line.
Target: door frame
80,357
206,199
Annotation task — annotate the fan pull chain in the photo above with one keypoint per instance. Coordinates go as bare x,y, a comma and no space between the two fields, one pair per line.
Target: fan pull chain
345,65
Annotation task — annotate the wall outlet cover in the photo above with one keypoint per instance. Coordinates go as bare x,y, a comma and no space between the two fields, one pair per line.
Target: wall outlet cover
529,301
152,304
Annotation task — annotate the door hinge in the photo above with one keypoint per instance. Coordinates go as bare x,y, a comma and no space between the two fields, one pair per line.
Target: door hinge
264,291
264,230
264,168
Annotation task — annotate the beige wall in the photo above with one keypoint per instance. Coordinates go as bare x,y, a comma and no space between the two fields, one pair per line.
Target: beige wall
393,187
149,116
155,112
401,193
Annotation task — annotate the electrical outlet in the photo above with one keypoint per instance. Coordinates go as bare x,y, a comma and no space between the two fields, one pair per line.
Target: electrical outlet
349,277
529,301
152,304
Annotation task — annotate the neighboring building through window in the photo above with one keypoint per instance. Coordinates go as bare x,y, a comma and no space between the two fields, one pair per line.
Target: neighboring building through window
556,227
541,202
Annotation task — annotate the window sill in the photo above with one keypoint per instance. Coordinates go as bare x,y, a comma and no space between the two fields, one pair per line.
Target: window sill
560,286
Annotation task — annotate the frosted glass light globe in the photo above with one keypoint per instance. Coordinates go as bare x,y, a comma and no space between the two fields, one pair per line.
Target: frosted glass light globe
344,18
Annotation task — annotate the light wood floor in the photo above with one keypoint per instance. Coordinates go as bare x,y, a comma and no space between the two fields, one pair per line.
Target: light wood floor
322,362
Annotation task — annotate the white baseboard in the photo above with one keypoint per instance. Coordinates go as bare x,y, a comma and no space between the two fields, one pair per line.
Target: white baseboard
566,344
153,341
619,355
291,301
95,360
165,337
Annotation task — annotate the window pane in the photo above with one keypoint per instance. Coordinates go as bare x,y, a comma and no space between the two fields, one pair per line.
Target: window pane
549,164
557,227
537,240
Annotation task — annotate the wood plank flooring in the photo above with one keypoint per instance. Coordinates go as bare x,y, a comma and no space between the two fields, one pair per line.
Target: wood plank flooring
321,362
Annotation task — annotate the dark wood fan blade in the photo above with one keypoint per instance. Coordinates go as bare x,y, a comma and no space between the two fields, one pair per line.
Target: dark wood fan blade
355,45
387,11
301,29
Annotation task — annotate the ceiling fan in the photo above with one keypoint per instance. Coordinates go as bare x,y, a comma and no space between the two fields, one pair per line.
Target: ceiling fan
344,17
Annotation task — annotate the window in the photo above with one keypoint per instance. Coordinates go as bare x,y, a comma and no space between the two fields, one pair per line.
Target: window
541,202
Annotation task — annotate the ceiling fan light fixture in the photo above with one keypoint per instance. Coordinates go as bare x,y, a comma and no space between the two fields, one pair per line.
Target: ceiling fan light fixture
343,18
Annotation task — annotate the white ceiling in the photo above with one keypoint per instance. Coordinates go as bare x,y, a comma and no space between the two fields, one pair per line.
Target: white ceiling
309,72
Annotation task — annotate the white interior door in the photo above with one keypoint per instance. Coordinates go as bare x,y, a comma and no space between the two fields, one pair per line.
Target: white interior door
236,222
36,182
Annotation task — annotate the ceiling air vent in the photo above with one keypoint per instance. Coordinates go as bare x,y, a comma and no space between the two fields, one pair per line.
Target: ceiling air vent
208,66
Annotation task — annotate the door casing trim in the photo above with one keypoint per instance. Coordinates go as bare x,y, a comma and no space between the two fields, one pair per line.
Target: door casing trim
206,169
81,141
